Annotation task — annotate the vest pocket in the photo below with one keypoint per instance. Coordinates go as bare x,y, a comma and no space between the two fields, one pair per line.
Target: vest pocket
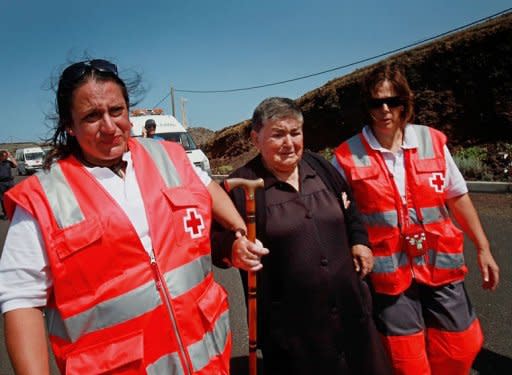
190,213
364,173
212,302
213,307
180,197
430,165
389,260
122,356
445,254
78,236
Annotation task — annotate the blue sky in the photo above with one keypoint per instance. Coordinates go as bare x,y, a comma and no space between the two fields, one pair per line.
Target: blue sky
204,45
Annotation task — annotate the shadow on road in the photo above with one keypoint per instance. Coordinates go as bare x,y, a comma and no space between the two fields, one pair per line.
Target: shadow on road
486,363
240,366
491,363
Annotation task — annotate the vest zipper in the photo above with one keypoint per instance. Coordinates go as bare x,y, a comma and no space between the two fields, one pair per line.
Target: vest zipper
160,284
407,223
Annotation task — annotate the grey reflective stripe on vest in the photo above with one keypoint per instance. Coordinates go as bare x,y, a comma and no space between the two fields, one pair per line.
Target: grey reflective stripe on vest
430,215
387,264
132,304
65,207
383,264
117,310
168,364
381,219
163,163
211,345
55,324
184,278
359,155
419,260
425,147
445,260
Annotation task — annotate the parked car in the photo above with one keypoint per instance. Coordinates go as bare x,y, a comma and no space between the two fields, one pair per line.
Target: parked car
30,160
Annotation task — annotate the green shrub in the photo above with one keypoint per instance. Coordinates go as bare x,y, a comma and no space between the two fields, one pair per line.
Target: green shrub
471,162
469,166
472,153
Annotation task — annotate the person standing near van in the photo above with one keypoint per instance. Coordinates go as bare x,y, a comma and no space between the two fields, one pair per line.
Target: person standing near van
150,130
7,162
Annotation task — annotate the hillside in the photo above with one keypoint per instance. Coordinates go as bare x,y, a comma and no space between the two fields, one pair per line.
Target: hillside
201,135
462,85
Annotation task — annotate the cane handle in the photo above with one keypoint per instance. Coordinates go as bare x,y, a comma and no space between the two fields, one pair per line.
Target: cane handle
249,186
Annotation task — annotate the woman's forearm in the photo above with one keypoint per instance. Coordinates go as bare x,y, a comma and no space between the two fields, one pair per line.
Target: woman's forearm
224,211
25,338
465,214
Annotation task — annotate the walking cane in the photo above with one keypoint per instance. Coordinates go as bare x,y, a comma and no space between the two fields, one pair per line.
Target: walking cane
249,187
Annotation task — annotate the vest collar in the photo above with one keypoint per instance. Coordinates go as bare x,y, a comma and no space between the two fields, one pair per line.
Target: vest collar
410,140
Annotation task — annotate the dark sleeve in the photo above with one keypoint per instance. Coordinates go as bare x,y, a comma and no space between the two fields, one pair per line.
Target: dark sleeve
357,233
356,230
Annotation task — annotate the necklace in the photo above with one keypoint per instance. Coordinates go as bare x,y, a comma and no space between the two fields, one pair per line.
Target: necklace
118,168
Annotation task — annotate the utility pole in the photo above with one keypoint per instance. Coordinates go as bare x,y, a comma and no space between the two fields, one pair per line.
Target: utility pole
183,112
173,108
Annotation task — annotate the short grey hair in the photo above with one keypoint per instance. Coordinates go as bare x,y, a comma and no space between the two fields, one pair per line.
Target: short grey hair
275,108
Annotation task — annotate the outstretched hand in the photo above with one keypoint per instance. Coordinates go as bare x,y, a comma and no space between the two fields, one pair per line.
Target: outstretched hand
247,255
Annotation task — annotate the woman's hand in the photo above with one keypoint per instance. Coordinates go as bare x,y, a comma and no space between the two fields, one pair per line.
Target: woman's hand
363,259
247,255
489,270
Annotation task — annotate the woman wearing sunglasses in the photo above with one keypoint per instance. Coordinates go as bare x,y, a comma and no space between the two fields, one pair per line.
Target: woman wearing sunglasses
406,183
112,242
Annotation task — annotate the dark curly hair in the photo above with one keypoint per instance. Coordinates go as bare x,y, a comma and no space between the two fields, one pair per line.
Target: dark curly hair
71,78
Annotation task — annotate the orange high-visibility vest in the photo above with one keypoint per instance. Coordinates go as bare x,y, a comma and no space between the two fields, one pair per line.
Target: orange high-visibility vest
410,240
113,308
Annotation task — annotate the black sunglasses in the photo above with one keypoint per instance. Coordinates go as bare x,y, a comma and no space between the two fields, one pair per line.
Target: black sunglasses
391,102
78,70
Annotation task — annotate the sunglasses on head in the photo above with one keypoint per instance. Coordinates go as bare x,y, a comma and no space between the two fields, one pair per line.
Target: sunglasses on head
79,69
391,102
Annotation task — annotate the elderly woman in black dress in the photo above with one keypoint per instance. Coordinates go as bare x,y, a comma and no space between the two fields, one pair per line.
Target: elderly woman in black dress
314,310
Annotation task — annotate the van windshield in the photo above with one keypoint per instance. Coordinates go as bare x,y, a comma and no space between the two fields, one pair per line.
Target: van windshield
34,156
184,138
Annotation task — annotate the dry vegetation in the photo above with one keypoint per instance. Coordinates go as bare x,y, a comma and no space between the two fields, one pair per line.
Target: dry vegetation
462,83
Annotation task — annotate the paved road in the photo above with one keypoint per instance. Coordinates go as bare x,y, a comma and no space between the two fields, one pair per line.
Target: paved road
494,309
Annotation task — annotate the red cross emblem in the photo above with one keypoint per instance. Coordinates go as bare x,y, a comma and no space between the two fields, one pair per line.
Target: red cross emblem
437,182
193,223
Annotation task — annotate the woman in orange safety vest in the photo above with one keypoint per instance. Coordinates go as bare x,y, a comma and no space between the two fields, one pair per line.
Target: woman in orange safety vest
111,241
405,183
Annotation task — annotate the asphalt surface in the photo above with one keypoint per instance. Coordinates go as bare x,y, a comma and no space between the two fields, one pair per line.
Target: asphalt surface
494,309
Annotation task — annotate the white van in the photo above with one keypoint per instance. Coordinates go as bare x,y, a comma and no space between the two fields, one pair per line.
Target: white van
168,128
29,160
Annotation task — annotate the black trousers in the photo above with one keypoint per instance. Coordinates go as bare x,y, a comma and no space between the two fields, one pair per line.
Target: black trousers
4,186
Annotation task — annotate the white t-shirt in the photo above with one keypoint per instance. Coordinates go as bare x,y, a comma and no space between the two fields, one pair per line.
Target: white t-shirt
25,275
454,183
